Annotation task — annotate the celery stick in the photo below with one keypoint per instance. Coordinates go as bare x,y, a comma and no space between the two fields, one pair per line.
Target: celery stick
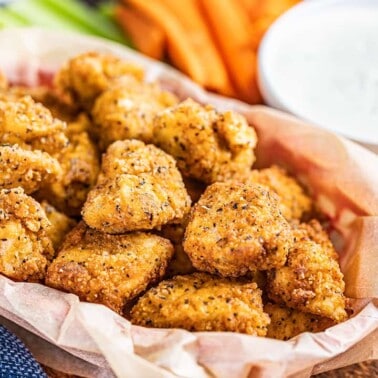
35,13
93,20
7,19
106,9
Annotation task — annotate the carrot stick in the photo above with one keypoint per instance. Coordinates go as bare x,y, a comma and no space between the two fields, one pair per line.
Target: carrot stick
191,19
256,9
231,30
179,46
251,7
147,37
265,14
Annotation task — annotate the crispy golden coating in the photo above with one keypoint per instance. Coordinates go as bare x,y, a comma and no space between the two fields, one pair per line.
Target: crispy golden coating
139,187
3,81
24,244
200,302
80,164
208,145
136,158
85,76
180,263
236,228
108,269
5,95
287,322
80,124
294,202
15,93
25,121
311,280
47,96
60,224
27,169
126,111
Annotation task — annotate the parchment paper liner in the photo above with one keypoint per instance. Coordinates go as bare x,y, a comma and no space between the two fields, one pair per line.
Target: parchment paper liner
90,340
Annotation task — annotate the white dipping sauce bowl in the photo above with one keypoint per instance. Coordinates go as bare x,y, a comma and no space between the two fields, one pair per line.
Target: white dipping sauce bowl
319,61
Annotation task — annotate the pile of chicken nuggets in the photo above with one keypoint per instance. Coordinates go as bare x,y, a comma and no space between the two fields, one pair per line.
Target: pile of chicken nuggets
114,190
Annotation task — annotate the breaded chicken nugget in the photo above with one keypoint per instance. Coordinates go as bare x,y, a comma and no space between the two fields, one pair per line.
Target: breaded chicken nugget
85,76
139,187
294,202
27,169
25,121
180,263
136,158
311,280
208,145
60,224
126,111
108,269
200,302
24,243
287,322
80,165
236,228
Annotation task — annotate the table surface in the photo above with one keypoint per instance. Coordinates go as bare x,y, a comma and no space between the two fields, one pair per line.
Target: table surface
364,369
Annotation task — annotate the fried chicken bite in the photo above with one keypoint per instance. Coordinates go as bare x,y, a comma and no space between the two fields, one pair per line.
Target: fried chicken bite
24,243
24,121
60,224
21,167
139,188
287,323
200,302
126,110
208,145
85,76
80,164
108,269
235,229
180,263
311,280
294,202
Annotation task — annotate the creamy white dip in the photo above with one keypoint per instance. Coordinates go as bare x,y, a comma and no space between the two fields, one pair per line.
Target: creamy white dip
320,62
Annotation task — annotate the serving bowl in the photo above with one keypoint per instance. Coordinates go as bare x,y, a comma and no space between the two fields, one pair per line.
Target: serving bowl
319,62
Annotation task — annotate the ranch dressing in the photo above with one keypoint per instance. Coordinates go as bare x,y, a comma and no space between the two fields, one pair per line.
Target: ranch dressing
321,63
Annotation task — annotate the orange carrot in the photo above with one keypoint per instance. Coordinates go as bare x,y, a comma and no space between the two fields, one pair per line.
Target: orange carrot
251,7
179,46
257,9
260,27
231,29
275,8
147,37
189,15
265,14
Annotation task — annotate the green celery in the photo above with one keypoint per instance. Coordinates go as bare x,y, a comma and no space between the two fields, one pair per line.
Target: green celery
81,14
107,9
34,12
8,19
